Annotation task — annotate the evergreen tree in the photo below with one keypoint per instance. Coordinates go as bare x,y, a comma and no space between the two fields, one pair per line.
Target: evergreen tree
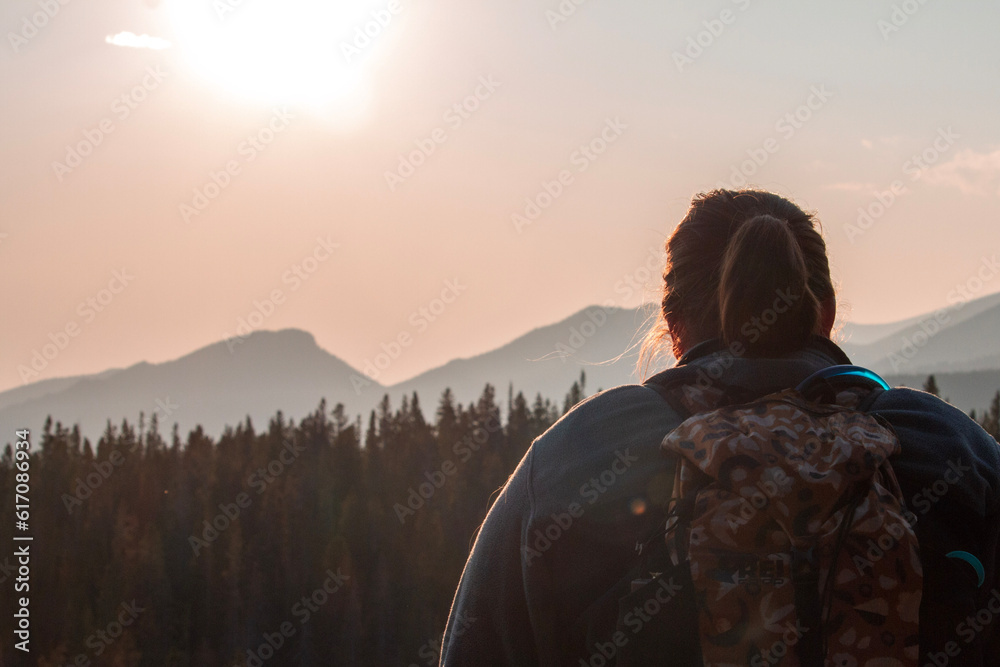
217,539
576,393
991,420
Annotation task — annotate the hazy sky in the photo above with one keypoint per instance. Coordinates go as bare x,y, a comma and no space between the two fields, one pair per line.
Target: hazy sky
175,187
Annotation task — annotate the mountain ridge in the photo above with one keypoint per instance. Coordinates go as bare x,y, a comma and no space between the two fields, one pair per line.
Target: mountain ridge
222,383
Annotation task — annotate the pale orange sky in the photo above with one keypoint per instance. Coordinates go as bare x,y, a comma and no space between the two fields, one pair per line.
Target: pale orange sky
537,86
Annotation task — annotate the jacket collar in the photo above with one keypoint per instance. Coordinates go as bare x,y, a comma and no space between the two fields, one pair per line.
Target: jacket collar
816,344
715,362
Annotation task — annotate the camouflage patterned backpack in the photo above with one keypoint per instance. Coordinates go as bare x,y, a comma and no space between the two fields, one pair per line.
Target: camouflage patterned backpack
788,539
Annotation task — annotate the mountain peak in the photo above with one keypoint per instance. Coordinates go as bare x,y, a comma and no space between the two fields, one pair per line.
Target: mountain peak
269,341
292,336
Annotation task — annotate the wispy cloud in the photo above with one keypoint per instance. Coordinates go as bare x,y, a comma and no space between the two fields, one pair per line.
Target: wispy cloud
137,41
969,171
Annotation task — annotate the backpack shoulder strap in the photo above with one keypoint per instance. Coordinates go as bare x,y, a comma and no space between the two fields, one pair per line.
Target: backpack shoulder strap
667,383
826,382
690,390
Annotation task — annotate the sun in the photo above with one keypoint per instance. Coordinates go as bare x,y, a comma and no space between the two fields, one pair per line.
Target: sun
297,52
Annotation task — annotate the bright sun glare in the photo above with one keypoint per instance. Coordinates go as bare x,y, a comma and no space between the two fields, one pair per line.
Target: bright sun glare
277,51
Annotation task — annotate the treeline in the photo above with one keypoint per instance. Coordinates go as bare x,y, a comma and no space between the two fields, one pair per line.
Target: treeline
317,543
329,541
990,421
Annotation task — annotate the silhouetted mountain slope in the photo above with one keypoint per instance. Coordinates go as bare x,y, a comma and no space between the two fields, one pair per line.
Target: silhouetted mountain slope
225,382
214,386
602,342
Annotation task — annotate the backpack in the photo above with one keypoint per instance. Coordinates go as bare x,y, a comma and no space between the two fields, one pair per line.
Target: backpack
787,540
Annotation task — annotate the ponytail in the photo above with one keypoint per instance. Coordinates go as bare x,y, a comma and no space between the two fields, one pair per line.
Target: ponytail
765,302
746,266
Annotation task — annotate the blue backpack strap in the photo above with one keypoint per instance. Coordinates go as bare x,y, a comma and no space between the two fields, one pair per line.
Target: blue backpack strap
826,382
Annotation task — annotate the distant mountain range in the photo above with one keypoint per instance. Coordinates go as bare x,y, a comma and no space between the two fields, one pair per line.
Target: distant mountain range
224,383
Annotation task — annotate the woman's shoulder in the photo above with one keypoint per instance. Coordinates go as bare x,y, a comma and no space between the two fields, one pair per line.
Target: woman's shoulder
936,437
617,411
624,423
919,409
